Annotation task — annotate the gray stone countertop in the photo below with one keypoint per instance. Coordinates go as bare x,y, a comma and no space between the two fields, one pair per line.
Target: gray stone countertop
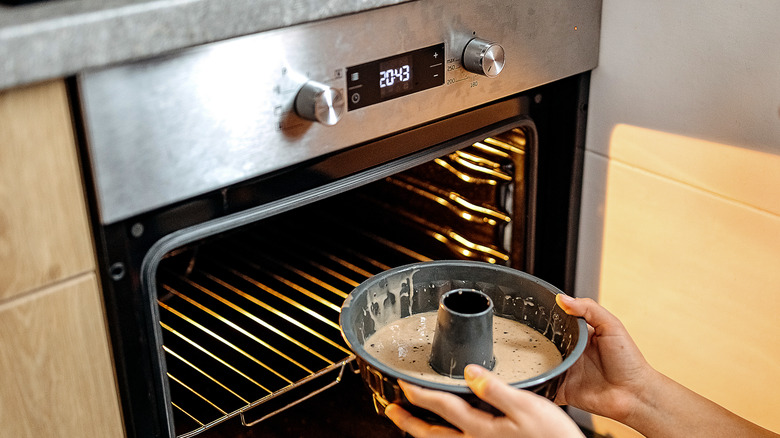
60,38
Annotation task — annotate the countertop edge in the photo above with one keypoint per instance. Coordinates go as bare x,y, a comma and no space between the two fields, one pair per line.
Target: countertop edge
58,39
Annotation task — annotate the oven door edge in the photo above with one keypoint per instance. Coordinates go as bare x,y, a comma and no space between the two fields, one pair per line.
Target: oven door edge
236,220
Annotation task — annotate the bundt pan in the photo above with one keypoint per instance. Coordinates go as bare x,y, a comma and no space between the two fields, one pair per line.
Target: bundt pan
416,288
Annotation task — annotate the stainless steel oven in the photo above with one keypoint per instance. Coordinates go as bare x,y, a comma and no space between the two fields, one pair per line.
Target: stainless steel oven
242,189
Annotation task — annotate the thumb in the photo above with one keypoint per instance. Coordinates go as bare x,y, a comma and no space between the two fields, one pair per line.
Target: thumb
595,315
491,389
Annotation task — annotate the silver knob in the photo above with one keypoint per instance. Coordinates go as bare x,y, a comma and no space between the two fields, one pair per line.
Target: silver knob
483,57
319,103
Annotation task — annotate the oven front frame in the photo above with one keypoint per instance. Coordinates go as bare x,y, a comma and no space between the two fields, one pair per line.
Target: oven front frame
129,251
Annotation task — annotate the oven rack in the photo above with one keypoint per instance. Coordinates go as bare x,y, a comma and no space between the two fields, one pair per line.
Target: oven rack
250,320
247,334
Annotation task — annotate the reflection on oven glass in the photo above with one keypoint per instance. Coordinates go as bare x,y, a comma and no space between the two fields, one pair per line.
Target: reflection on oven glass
250,320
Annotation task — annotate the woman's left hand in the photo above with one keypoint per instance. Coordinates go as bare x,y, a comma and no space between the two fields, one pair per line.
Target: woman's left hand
526,414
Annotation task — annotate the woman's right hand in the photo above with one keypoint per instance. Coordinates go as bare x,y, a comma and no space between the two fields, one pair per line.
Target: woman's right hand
612,379
611,373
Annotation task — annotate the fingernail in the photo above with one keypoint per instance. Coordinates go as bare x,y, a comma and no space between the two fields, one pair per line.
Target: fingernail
473,372
395,413
390,410
406,386
565,298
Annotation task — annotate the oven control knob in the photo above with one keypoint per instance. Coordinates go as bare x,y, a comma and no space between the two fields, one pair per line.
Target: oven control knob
483,57
319,103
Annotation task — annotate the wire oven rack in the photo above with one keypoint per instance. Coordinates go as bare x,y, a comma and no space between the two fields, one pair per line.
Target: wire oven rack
250,320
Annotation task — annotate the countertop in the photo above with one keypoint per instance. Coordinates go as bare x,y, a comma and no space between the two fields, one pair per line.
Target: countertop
59,38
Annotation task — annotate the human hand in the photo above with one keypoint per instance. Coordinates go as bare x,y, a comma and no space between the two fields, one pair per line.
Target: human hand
527,414
611,372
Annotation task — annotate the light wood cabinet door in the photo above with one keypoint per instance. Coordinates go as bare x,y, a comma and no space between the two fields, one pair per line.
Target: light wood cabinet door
56,378
56,373
44,231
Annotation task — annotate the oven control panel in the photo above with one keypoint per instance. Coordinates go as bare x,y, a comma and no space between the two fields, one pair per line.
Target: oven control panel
393,77
166,129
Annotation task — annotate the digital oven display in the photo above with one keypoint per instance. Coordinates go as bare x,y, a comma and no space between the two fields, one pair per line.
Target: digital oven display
395,76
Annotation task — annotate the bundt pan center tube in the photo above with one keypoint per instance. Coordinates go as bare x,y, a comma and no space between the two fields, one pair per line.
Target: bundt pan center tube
464,332
419,287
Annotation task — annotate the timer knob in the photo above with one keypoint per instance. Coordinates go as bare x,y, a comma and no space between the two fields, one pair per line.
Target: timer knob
319,103
483,57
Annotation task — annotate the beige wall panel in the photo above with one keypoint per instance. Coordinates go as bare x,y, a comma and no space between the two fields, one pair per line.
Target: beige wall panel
749,176
55,367
694,277
44,232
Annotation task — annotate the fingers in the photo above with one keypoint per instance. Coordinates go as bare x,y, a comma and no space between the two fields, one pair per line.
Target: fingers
595,315
527,414
490,388
415,426
450,407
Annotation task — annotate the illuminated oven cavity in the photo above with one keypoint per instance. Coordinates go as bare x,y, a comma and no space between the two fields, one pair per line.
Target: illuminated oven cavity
250,319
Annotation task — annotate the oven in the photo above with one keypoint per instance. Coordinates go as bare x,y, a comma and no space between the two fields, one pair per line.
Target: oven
240,190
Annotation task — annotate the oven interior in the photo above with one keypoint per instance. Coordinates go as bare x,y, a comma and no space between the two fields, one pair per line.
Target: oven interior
249,318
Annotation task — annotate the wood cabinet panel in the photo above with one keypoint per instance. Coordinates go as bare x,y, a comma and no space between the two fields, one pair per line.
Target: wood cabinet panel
55,368
44,230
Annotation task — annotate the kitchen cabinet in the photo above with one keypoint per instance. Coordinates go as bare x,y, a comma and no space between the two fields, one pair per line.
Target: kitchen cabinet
55,372
56,375
44,231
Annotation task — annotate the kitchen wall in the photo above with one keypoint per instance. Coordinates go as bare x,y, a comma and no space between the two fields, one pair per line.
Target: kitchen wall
680,227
